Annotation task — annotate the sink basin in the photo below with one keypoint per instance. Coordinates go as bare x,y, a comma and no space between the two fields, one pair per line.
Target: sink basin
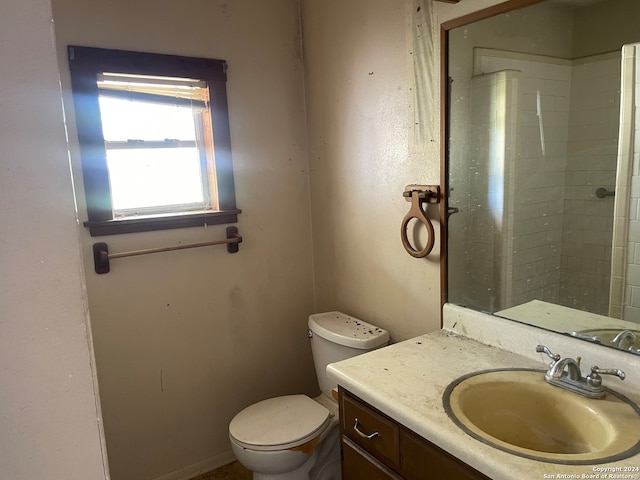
515,410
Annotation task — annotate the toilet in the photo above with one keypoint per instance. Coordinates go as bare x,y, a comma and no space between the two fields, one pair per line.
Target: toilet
295,437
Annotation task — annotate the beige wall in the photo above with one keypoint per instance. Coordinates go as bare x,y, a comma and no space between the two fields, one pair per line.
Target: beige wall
358,60
184,340
49,420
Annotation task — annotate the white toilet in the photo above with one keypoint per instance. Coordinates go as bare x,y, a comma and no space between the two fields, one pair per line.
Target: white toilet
295,437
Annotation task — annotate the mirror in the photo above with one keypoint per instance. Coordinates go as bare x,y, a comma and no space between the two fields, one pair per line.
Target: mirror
543,187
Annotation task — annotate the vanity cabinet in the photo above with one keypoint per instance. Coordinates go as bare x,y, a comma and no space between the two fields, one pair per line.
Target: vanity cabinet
375,447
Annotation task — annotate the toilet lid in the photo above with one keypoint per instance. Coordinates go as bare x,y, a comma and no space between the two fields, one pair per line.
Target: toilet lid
279,423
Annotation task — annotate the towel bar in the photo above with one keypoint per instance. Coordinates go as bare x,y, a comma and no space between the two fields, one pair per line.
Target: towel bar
101,255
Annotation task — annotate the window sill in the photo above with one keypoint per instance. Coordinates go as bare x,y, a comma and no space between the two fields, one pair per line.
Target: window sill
164,222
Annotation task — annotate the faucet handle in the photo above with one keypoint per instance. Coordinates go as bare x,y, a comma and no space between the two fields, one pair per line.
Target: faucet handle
595,380
543,349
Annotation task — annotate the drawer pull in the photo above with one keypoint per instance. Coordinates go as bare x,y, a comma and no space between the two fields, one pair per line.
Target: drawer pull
362,434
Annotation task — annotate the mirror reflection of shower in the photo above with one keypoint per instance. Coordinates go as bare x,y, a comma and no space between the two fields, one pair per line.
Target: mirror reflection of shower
625,269
542,138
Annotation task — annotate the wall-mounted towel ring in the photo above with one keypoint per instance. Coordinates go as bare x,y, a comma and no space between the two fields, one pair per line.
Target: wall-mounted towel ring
418,194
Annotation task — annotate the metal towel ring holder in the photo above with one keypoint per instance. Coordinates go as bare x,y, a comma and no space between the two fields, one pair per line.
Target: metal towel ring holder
419,194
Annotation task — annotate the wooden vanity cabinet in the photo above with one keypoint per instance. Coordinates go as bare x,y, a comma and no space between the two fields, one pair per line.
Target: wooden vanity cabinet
375,447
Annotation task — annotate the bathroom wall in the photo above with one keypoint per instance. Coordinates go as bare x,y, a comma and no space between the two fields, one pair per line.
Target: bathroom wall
359,84
184,340
49,416
593,30
591,164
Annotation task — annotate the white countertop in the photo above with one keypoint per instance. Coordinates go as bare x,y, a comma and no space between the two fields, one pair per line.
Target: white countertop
406,381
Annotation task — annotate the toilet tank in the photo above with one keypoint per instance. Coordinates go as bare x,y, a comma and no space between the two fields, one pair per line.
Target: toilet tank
336,336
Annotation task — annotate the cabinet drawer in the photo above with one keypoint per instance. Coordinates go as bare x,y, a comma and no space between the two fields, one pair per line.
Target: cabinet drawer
369,429
358,465
422,460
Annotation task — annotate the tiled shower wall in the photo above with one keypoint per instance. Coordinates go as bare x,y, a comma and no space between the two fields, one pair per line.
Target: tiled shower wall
591,164
625,285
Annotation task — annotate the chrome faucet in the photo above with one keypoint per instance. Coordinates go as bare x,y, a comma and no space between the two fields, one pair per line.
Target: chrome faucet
565,373
557,369
620,338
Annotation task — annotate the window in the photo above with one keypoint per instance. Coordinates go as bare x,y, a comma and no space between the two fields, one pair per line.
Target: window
154,140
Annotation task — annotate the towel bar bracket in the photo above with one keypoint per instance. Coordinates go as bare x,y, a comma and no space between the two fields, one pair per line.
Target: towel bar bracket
101,258
426,193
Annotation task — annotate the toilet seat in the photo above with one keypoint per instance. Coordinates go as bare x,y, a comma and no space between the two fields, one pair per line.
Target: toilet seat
279,423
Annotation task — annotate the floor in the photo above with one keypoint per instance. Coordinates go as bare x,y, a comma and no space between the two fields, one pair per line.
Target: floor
233,471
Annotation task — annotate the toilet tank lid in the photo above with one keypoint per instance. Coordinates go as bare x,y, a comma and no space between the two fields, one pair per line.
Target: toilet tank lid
346,330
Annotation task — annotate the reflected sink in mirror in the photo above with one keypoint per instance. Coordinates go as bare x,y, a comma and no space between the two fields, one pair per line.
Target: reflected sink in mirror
516,411
588,326
613,337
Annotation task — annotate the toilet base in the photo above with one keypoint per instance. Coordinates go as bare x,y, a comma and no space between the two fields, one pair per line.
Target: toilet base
323,464
300,473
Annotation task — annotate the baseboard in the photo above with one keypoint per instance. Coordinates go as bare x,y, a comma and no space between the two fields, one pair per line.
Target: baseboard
199,468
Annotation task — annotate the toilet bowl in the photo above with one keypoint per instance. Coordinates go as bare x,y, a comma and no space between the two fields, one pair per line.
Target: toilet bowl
278,437
295,437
